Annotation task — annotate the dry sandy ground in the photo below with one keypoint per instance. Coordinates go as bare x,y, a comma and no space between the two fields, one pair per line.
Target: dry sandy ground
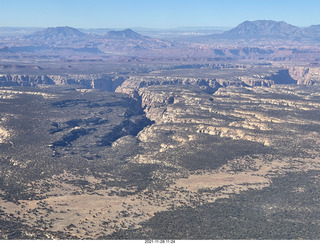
91,214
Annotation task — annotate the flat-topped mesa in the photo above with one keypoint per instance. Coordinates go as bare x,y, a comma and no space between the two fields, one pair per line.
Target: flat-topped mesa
104,82
135,83
210,85
131,85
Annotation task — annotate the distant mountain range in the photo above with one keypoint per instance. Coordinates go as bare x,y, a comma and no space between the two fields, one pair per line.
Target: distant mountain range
71,38
56,34
271,30
247,30
71,34
68,41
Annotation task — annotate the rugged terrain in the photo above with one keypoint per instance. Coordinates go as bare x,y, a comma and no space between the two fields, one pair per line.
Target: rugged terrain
78,162
119,135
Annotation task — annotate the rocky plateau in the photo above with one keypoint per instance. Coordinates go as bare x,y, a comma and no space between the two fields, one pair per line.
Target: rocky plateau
119,135
100,156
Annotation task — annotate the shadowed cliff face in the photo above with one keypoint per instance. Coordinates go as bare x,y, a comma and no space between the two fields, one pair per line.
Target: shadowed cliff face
305,75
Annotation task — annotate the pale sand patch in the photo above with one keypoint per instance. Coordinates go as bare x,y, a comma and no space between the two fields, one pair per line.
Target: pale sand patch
43,94
4,135
196,182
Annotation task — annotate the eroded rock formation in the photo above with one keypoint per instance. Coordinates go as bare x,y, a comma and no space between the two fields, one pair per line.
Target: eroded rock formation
101,82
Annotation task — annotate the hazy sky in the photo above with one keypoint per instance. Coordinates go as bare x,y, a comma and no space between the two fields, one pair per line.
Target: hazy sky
154,13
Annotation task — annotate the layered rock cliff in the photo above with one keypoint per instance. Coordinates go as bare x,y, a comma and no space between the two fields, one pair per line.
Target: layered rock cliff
100,81
210,85
130,85
25,80
305,75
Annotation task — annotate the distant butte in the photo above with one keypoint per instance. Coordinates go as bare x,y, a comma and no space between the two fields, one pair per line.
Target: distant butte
125,34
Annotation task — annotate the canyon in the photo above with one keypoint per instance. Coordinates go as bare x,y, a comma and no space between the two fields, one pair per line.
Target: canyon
125,136
136,146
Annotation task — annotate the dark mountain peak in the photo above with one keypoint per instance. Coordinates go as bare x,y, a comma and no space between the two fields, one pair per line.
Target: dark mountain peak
263,28
125,34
